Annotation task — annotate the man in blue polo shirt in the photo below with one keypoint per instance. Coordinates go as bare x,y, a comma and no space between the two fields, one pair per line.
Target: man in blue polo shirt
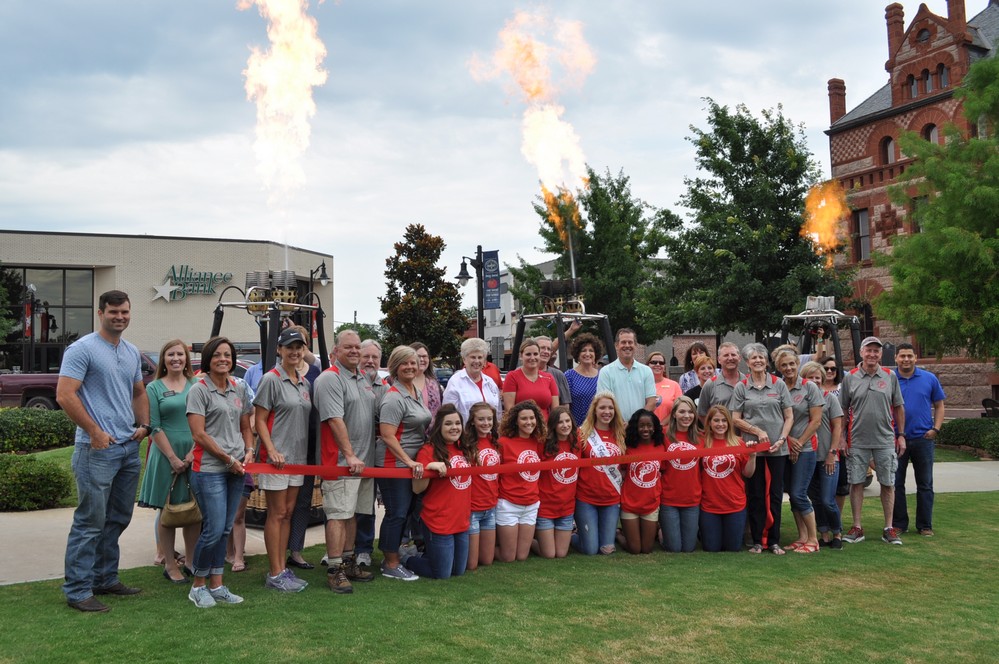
632,382
100,389
924,415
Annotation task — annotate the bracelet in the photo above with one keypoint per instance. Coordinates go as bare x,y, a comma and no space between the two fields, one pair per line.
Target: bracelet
231,463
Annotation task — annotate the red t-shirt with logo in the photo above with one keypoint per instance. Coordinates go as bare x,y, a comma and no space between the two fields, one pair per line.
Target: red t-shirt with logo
558,486
640,493
595,487
723,489
447,502
485,488
520,488
681,485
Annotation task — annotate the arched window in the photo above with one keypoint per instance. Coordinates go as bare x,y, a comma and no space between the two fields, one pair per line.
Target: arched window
923,35
943,74
927,81
887,150
931,134
913,87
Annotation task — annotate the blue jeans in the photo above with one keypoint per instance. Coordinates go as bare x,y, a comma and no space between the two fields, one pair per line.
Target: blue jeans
444,556
722,532
364,541
822,492
219,495
679,526
800,477
921,452
106,481
596,527
397,494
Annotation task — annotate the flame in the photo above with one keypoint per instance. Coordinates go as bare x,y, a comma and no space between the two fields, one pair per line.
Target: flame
559,205
825,207
280,81
550,143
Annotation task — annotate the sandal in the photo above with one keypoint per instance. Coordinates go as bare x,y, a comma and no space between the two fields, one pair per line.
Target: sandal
239,567
794,546
756,548
776,550
807,548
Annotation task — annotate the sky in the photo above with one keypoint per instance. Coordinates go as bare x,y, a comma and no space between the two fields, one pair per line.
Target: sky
131,117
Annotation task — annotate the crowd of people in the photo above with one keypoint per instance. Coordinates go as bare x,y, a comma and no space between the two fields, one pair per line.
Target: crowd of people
779,428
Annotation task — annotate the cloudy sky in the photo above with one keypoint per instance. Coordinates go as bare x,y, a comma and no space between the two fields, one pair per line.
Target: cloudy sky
131,117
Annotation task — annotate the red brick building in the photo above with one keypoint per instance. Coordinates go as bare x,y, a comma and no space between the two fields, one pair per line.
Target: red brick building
927,61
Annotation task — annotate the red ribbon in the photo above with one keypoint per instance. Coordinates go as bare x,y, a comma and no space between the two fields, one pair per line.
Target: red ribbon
334,472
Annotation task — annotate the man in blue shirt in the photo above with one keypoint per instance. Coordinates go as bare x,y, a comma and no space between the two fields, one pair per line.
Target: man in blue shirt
924,415
631,382
100,389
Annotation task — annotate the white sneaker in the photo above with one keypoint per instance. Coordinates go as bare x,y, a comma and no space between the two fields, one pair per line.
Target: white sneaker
201,597
325,562
224,595
364,559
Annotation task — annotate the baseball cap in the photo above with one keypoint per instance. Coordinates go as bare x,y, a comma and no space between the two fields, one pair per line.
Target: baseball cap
870,340
290,336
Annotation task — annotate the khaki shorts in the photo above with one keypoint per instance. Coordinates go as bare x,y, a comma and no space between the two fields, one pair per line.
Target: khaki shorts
278,482
651,516
343,498
885,465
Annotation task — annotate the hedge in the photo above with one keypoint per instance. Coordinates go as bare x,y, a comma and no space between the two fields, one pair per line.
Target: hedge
981,433
32,429
28,483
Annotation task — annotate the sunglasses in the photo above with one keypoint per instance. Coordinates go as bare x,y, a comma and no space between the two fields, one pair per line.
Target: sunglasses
830,368
657,362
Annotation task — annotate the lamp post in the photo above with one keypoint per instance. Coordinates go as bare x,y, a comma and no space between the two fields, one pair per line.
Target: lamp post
324,279
463,278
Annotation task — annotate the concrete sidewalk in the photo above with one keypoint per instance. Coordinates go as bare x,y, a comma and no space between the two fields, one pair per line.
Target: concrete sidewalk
33,544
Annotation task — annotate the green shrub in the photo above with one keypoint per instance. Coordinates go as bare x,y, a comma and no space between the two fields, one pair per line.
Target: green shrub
27,483
31,429
981,433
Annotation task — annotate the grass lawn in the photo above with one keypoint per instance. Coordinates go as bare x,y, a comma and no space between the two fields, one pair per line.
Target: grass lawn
931,600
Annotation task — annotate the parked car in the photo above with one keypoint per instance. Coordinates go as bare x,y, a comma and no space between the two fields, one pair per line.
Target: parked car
38,390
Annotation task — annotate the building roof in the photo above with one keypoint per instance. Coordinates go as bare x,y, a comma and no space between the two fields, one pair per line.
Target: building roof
984,29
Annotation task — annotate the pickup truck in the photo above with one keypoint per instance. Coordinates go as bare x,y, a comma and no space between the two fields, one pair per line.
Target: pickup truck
38,390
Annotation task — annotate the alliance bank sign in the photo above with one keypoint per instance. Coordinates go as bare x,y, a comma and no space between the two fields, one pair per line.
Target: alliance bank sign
182,281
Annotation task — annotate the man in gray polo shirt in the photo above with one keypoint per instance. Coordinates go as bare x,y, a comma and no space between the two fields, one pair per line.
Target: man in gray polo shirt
870,395
100,389
548,364
718,391
346,403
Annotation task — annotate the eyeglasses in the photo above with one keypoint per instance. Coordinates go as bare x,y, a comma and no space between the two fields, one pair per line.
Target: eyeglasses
830,369
651,362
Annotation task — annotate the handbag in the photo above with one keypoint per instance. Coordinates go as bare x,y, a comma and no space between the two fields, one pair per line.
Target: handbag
178,515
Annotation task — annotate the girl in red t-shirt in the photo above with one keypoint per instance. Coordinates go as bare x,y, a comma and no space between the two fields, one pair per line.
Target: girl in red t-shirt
521,436
481,428
598,490
640,493
680,502
558,486
447,499
723,491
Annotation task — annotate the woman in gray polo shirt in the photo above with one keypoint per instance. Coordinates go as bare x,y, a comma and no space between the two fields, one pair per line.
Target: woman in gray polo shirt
218,410
762,400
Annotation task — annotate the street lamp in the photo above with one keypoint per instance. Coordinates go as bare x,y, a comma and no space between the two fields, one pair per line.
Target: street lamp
464,277
324,279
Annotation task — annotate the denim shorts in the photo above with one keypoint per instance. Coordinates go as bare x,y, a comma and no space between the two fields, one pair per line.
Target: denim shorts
564,523
483,520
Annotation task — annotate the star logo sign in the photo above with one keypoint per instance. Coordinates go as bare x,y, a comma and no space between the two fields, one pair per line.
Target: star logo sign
165,290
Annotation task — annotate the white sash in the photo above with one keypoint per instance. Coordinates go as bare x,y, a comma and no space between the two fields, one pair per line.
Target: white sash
599,449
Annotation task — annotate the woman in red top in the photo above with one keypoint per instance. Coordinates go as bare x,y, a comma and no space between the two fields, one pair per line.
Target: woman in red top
558,486
723,491
680,501
447,499
481,429
521,437
529,381
641,492
598,490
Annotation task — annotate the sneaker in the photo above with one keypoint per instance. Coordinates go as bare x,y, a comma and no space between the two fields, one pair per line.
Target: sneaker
890,536
288,574
926,532
854,536
364,559
284,583
354,571
400,573
336,579
824,544
201,597
325,562
224,595
836,544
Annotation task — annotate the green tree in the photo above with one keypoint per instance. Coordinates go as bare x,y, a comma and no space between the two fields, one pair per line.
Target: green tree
420,304
10,284
945,287
364,330
616,238
742,263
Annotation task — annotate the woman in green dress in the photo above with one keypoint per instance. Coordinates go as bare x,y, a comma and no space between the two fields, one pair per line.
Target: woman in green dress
170,451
